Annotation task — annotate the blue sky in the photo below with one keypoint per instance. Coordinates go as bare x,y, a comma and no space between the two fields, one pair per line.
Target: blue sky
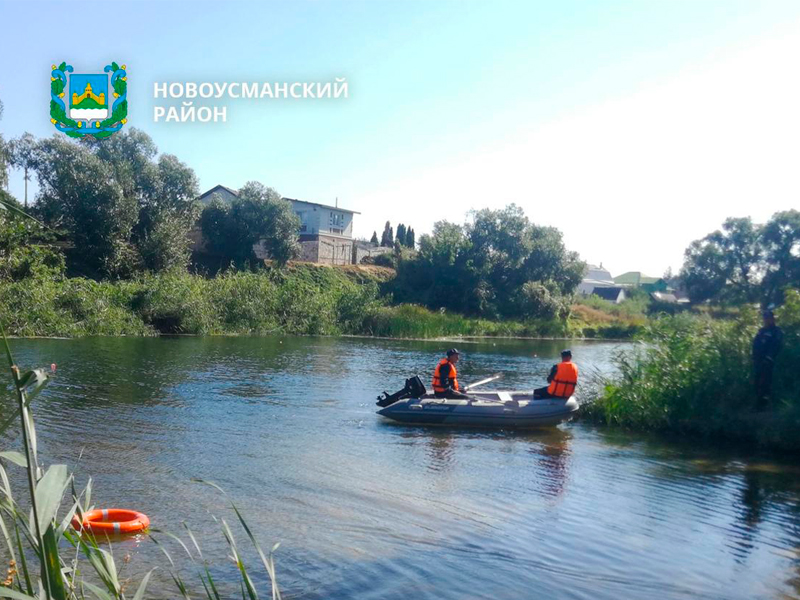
633,127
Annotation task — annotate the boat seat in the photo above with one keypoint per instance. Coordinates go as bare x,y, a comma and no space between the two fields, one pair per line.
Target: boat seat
505,397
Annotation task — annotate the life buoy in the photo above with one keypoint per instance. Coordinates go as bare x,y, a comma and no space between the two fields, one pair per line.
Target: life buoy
112,520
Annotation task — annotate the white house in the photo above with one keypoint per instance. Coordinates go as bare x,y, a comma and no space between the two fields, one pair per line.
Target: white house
325,234
596,277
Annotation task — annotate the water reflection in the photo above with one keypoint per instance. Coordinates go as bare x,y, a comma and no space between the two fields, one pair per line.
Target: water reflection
370,509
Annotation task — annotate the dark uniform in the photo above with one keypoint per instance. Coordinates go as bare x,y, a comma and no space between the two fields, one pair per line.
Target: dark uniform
766,346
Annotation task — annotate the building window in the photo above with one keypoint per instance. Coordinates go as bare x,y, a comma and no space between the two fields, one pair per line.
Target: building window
337,220
338,231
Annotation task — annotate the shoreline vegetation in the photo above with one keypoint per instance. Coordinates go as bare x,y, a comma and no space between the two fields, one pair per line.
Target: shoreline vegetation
298,299
107,250
693,374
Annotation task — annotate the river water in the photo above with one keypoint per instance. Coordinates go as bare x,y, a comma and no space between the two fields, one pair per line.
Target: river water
367,509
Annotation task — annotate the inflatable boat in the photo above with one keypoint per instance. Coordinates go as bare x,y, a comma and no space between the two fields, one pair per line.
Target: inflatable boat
482,408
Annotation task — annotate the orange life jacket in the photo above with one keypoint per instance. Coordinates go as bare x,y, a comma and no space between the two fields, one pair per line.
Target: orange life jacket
563,384
438,384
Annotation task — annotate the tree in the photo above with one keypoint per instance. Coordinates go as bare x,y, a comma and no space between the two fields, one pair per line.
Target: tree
780,239
497,265
745,262
79,192
724,266
147,202
3,155
387,239
22,155
374,239
410,241
400,237
24,248
258,215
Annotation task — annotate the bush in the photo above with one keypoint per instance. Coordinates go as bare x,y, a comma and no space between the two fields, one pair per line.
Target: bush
692,373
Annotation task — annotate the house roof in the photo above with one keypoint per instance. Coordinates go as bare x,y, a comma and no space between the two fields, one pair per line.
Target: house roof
608,293
236,193
664,297
635,278
353,212
216,188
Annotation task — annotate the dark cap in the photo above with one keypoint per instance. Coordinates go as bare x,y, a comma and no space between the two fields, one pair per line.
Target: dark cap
566,353
452,351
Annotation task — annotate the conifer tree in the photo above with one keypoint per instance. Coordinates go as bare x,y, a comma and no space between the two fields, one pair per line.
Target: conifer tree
387,239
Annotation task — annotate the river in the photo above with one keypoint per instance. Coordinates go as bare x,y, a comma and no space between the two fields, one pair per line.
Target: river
367,509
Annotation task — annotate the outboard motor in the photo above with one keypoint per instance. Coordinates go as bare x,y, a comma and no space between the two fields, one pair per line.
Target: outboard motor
414,388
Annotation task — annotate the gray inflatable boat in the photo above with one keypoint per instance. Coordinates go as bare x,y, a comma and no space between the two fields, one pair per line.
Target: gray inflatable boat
482,409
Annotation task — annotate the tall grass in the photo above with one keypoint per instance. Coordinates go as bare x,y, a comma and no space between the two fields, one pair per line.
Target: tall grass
694,374
413,321
301,299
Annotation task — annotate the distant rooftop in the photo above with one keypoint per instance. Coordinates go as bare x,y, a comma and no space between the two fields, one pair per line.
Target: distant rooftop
635,278
217,188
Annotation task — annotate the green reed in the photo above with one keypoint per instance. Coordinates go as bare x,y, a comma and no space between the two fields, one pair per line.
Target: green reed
692,373
46,556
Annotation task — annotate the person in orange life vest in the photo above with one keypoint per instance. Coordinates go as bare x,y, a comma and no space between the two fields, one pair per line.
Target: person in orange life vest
563,378
445,379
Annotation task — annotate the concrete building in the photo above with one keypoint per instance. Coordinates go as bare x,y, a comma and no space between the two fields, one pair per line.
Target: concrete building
325,234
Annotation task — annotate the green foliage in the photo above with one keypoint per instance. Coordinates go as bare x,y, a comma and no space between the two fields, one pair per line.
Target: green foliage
482,268
298,299
374,239
78,191
694,374
24,251
124,209
259,215
4,158
387,237
745,262
413,321
43,536
781,243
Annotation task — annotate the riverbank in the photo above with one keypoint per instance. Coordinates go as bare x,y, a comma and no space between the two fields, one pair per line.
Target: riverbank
694,375
301,299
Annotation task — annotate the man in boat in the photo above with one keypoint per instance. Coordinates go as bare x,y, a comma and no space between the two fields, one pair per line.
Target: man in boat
563,378
445,380
766,346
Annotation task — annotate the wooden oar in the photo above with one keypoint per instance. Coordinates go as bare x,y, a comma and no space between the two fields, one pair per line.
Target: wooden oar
482,381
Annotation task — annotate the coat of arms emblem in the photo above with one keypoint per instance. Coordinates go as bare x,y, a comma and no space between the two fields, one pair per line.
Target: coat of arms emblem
88,104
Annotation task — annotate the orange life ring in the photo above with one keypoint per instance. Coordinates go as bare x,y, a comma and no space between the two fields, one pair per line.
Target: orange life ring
112,520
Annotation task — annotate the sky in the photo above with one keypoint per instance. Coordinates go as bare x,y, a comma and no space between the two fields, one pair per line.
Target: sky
632,127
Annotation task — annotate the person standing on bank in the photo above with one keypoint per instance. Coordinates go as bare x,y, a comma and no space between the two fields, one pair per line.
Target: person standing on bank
563,378
766,346
445,378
